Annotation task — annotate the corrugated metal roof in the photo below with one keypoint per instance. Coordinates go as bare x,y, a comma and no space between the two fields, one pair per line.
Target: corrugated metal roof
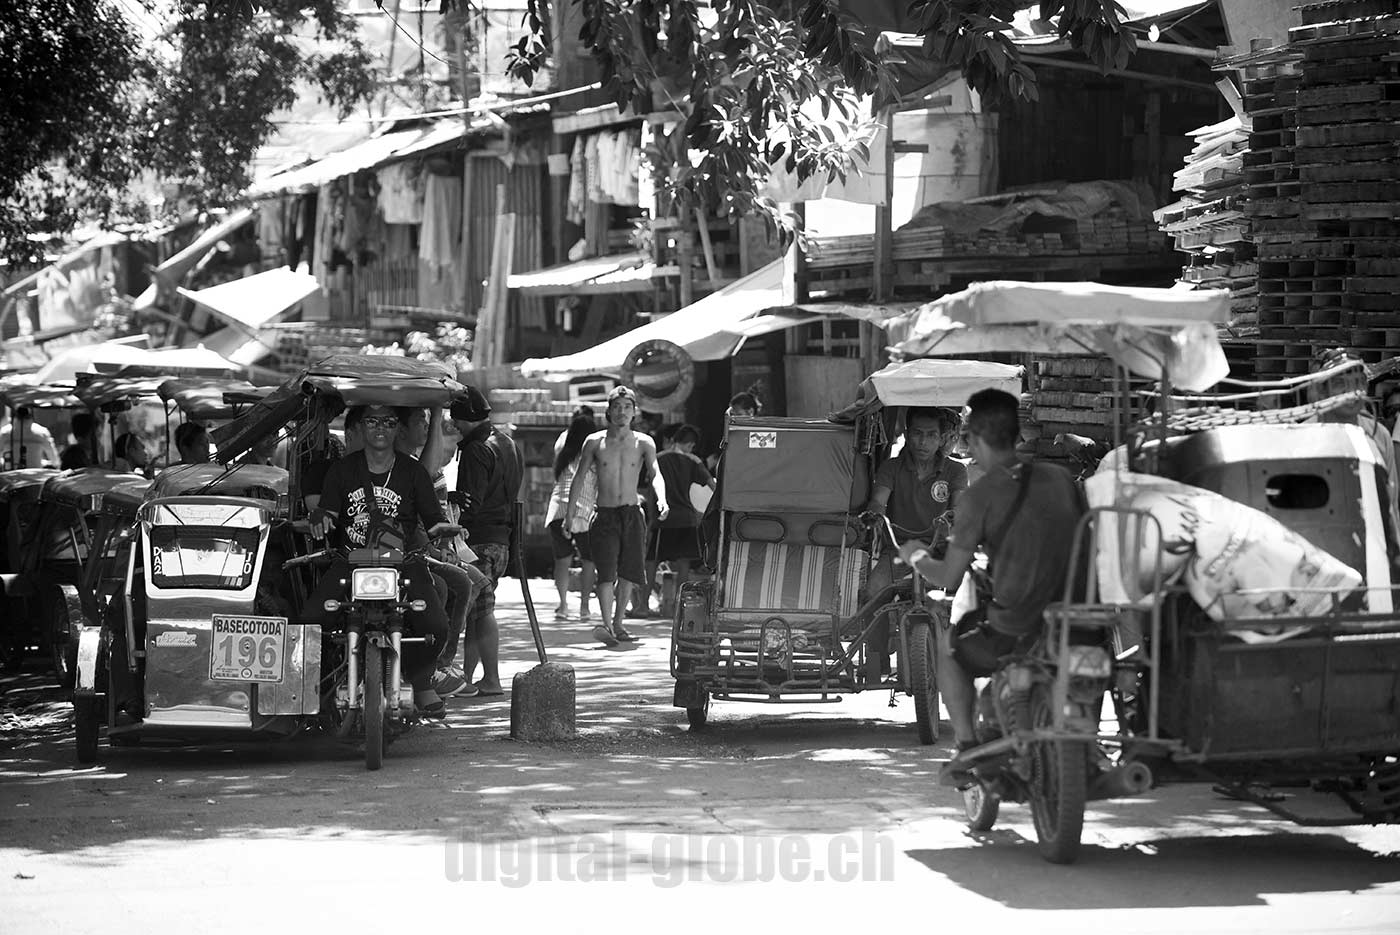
366,154
618,273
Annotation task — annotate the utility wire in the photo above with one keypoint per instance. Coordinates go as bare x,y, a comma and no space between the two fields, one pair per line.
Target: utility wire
418,42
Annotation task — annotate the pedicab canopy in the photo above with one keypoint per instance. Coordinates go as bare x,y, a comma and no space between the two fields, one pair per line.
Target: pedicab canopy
45,396
775,465
211,400
1147,331
110,391
930,382
344,380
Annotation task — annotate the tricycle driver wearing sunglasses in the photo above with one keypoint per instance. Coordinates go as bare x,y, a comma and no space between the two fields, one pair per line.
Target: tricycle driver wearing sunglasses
378,497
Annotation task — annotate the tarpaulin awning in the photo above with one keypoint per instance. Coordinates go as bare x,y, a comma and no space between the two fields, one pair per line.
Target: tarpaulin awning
929,382
363,155
256,300
1144,330
706,330
174,269
65,366
625,272
39,397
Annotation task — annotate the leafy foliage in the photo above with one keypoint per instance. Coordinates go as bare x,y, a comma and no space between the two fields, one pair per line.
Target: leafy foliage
749,77
93,105
65,72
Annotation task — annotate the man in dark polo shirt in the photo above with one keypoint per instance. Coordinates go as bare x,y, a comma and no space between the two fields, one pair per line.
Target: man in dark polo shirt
918,488
915,490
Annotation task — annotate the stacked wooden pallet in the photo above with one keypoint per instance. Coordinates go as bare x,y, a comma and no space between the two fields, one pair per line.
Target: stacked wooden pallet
1329,247
1209,223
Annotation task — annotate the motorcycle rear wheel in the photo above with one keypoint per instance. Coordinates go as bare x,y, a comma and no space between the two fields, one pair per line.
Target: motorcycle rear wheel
923,681
374,707
1058,786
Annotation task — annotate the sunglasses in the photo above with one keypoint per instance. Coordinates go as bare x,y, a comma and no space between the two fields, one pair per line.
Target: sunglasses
387,422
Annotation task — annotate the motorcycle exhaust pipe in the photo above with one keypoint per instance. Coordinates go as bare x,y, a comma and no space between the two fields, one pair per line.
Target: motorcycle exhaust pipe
1127,779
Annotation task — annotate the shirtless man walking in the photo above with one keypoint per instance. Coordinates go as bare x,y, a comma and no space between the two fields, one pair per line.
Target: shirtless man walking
617,537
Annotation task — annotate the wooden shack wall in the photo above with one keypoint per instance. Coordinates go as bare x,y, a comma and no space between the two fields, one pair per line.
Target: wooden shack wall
527,196
1087,126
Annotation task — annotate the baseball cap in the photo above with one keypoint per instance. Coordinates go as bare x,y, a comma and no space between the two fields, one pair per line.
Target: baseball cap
470,406
622,392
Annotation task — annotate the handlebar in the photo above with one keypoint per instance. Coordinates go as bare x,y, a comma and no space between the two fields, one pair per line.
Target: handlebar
407,558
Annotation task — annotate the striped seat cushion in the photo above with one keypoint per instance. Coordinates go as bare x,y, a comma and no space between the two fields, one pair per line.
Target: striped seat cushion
782,577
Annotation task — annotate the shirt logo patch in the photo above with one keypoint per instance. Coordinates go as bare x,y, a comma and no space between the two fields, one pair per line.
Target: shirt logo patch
358,511
763,439
939,491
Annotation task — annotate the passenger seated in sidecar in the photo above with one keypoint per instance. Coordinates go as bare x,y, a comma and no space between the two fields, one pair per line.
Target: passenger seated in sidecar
1023,516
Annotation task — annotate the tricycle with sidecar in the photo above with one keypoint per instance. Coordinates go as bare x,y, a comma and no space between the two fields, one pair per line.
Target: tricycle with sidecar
210,638
1224,663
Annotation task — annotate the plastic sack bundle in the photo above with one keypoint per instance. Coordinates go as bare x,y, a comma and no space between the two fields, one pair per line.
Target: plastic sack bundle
1237,562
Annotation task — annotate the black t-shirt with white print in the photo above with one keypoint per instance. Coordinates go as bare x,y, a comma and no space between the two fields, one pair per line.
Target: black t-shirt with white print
405,492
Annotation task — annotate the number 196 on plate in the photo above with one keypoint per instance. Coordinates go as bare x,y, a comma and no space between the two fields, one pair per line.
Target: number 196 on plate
247,649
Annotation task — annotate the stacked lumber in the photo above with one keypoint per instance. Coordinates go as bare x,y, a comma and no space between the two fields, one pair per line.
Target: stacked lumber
1327,210
1074,395
1209,223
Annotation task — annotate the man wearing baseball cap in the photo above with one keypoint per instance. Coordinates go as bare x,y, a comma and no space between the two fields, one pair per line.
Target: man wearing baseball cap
488,484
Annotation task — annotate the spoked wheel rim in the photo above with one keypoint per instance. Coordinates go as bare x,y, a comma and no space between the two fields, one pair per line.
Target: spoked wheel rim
981,806
1058,786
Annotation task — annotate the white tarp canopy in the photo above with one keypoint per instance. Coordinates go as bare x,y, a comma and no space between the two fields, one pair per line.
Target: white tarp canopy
111,356
1144,330
710,329
256,300
928,382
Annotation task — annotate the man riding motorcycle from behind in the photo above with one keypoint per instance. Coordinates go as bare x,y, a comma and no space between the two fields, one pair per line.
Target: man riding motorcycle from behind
1023,516
364,493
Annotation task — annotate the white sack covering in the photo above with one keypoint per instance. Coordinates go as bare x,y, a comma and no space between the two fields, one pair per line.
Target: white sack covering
1237,562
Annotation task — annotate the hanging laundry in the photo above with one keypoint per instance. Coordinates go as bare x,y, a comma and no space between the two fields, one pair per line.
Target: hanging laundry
401,192
593,172
271,224
440,239
578,183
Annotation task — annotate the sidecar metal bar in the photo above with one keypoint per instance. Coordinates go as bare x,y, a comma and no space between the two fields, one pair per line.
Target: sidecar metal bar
1243,792
1133,526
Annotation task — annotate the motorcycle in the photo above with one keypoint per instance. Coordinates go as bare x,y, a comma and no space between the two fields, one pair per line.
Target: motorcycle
373,705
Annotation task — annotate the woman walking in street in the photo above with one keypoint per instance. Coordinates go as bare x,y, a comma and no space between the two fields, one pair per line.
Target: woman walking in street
568,541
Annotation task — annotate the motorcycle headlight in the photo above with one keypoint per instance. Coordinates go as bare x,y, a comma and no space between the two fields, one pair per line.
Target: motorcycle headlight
374,584
1089,662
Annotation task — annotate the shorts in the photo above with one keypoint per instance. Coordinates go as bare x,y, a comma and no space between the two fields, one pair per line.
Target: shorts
493,561
979,649
618,540
677,544
565,547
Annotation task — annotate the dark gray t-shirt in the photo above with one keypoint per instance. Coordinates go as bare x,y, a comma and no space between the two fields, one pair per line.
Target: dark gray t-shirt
1032,558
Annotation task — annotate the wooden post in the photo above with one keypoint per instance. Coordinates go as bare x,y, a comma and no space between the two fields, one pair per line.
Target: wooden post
683,251
883,273
711,268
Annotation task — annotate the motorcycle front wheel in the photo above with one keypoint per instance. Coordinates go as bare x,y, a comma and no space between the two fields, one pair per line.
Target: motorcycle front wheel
374,706
1058,786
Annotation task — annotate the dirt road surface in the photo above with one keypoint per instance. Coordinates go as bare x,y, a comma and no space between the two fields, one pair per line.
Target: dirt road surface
808,817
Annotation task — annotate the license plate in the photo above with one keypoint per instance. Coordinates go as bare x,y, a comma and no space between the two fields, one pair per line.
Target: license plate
247,649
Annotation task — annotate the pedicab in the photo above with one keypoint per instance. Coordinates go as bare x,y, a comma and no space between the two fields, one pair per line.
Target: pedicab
1236,603
784,620
209,640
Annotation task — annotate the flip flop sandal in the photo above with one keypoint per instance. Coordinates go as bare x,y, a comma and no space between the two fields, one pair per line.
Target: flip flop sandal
603,635
624,637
